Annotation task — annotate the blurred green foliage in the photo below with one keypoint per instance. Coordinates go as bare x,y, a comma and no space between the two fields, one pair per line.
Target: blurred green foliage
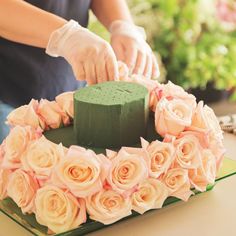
194,47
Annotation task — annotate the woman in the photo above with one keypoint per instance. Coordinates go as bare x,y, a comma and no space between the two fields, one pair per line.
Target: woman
73,54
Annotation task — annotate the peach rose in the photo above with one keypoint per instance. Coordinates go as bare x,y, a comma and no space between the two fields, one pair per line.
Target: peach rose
153,86
172,116
22,188
178,183
66,103
188,151
205,119
150,194
82,171
41,157
161,156
52,114
206,173
172,91
26,115
4,179
2,151
217,148
60,211
150,84
128,169
108,206
16,143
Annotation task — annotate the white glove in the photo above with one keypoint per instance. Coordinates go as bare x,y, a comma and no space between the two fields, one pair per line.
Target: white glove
129,44
92,58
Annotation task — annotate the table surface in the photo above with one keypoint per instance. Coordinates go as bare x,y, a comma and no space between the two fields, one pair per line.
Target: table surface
210,213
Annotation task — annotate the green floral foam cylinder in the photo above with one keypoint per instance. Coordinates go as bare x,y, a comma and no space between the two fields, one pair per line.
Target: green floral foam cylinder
111,114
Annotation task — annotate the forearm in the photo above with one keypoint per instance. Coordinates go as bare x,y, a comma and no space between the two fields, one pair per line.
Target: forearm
108,11
24,23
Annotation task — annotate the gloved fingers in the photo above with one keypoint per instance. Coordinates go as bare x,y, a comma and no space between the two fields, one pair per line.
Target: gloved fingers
111,67
101,71
79,71
90,73
148,67
140,63
155,67
131,57
119,51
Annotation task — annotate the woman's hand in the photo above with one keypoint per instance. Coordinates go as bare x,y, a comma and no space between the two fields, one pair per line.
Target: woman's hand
129,44
92,58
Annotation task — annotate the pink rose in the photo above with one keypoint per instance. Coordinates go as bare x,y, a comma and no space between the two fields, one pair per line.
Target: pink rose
129,167
226,13
66,103
178,183
150,194
41,157
171,91
52,114
204,119
82,171
22,188
16,143
172,116
188,151
4,179
161,156
26,115
59,210
206,173
108,206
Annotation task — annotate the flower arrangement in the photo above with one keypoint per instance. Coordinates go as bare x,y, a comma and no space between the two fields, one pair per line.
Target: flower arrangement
60,185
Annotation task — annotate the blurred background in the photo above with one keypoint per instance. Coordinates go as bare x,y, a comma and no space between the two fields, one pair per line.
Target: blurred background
195,41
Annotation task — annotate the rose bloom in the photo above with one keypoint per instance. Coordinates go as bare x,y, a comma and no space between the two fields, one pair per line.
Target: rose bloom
206,173
150,194
178,183
128,168
16,143
217,148
204,119
171,91
226,13
161,156
26,115
2,153
188,151
60,211
66,103
52,114
81,171
153,86
41,157
108,206
22,188
172,116
4,179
